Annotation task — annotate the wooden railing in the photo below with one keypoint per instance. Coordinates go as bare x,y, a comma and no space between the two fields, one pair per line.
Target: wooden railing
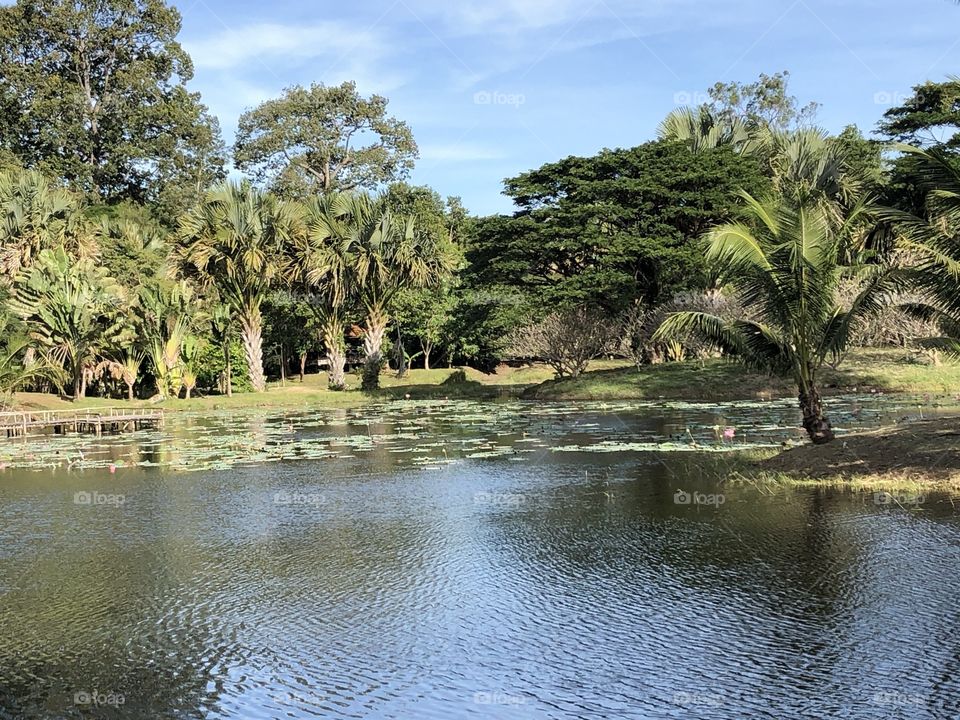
91,419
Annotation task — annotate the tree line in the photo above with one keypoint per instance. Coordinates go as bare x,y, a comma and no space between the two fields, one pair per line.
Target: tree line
129,265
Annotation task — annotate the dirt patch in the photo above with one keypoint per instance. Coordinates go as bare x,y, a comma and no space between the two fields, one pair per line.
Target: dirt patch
924,450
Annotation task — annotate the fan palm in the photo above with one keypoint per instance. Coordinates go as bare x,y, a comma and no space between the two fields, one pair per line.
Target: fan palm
387,254
783,262
702,130
73,309
36,215
321,264
235,241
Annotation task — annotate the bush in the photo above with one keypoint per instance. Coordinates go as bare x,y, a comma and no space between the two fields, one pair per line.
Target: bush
640,323
210,369
567,341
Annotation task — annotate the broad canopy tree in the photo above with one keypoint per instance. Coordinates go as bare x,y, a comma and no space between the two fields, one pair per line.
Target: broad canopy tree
93,93
609,229
323,139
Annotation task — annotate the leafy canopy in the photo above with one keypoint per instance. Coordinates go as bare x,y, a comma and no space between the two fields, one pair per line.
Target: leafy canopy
93,93
323,138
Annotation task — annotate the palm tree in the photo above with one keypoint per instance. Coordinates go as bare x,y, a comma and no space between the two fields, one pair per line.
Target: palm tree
235,241
387,254
168,313
130,369
934,243
322,264
702,130
223,327
36,215
784,263
72,309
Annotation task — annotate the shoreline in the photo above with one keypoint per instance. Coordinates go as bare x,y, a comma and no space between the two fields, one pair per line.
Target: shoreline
908,456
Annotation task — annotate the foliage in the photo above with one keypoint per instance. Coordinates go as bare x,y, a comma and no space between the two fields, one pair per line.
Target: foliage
783,261
312,139
935,241
132,245
93,94
604,230
168,313
36,215
210,367
73,310
764,103
235,242
929,118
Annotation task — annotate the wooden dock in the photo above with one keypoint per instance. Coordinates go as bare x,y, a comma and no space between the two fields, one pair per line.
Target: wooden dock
97,421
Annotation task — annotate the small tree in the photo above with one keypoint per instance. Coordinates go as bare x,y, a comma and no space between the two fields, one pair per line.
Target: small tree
567,341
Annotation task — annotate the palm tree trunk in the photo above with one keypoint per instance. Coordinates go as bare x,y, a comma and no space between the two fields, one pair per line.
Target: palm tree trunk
336,356
251,333
814,421
130,392
77,384
303,365
377,320
228,368
427,349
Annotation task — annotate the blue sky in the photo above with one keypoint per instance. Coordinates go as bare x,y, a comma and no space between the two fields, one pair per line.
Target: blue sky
492,88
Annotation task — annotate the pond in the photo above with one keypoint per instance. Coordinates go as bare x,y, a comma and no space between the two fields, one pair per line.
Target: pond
460,560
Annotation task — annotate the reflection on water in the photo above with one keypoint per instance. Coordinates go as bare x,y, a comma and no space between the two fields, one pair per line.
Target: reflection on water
466,560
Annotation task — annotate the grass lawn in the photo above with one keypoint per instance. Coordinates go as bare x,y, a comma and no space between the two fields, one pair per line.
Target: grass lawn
888,370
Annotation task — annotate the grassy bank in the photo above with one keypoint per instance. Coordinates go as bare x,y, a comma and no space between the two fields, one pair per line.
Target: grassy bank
909,457
313,392
888,371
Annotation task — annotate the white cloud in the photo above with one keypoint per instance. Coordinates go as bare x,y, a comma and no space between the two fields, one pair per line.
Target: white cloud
266,42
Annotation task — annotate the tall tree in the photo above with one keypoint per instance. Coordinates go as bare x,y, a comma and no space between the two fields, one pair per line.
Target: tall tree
321,266
321,138
236,241
93,92
930,117
387,253
767,102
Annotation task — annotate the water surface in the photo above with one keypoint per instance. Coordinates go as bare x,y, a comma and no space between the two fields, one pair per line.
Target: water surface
458,560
